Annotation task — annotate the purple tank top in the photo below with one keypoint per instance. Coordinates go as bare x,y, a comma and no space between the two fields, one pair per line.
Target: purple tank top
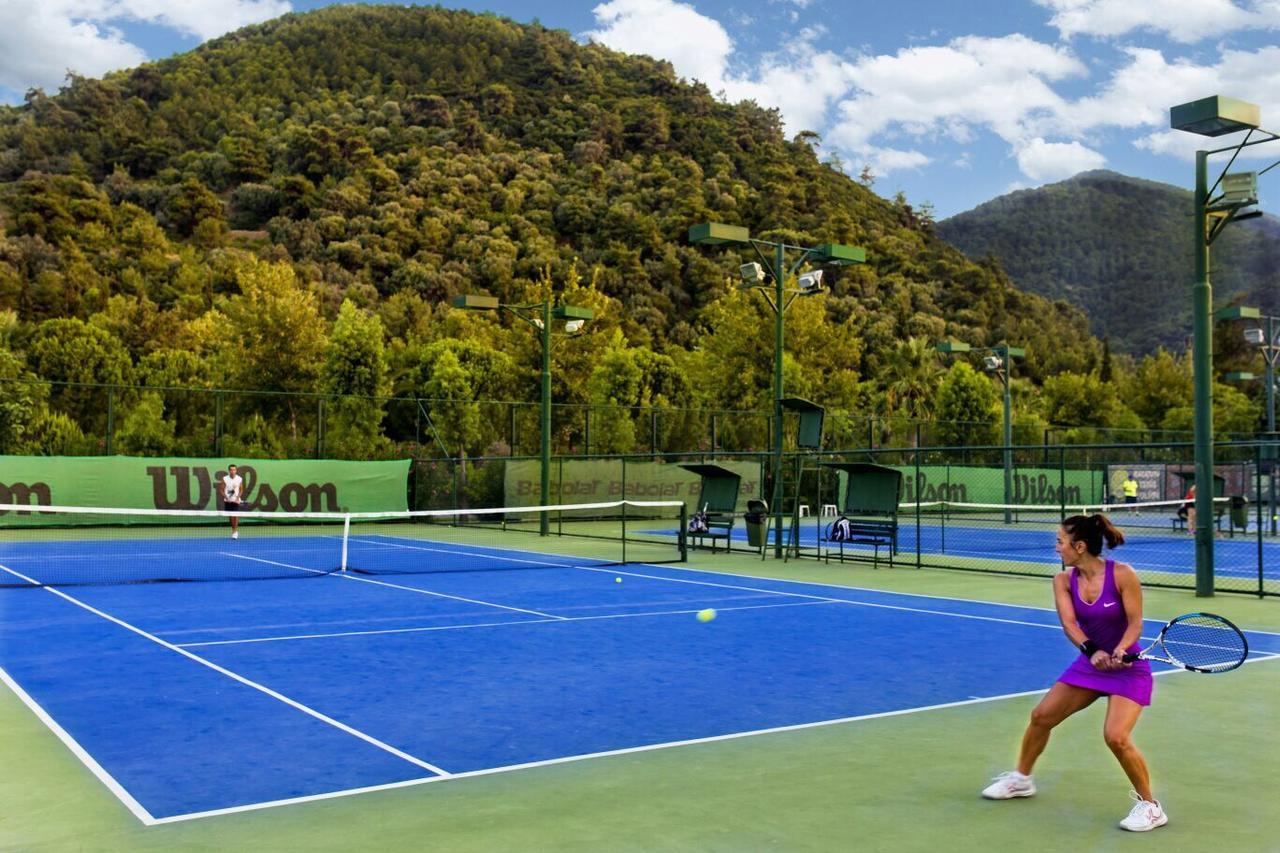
1104,621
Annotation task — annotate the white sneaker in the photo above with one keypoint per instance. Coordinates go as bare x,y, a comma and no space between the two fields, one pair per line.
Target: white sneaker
1144,816
235,535
1008,785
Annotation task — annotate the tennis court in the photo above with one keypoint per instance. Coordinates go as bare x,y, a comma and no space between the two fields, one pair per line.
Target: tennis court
441,656
188,699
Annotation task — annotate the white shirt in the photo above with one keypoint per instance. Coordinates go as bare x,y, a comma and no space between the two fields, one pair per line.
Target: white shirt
231,488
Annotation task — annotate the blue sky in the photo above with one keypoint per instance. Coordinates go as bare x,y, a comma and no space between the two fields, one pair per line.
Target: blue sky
951,103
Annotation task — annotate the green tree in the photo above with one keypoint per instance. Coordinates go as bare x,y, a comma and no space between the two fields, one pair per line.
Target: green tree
273,337
145,431
967,408
1159,382
355,376
909,377
21,401
615,389
79,358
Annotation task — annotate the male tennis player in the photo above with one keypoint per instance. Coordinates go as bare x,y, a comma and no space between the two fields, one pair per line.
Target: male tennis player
230,487
1130,489
1187,512
1100,607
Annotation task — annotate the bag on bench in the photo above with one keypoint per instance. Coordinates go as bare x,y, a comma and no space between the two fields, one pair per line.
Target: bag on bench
840,530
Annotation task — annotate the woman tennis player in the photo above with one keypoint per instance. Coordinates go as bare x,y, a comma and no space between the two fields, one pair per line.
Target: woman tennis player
1100,606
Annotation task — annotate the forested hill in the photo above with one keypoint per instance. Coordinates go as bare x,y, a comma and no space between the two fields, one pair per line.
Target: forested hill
1122,249
392,158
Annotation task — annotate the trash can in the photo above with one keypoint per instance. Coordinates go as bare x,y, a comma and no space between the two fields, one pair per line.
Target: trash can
1239,512
757,520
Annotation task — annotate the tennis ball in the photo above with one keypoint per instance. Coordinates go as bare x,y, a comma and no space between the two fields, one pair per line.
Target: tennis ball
706,615
617,580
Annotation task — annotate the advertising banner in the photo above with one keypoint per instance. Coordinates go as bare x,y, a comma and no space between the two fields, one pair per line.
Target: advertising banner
595,480
1030,486
270,485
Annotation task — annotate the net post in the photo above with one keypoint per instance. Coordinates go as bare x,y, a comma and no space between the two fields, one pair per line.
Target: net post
346,537
624,532
682,534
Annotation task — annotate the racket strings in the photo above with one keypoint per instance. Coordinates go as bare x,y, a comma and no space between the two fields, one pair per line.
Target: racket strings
1205,643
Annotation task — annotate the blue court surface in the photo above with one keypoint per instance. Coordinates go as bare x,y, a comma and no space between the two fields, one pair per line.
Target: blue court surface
1147,549
194,698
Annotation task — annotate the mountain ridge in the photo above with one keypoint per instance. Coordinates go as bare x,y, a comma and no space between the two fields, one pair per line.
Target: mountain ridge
1127,262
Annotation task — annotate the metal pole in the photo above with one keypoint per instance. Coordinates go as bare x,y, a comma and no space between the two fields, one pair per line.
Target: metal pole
545,448
1008,442
1202,364
778,272
1273,330
111,420
217,423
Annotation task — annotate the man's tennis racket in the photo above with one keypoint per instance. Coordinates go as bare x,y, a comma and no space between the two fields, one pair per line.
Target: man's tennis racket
1198,642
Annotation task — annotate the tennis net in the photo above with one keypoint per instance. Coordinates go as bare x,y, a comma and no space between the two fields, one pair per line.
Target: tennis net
1163,515
65,546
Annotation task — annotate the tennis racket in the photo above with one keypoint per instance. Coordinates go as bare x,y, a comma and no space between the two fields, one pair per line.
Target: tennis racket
1197,642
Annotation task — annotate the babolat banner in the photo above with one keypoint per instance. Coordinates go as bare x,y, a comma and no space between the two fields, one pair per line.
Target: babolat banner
270,485
590,481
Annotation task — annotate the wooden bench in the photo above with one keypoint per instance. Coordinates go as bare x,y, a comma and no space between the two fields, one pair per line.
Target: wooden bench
876,532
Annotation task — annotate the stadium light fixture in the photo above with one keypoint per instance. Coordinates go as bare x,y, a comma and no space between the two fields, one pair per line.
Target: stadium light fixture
754,275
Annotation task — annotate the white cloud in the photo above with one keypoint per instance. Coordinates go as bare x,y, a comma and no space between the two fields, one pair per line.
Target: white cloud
698,47
204,19
951,91
1140,94
40,42
1050,161
41,39
1184,21
894,111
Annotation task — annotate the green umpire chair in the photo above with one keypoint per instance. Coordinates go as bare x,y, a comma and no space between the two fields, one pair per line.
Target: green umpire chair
717,505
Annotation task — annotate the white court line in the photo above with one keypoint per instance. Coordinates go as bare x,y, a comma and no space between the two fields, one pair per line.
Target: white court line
349,576
78,751
274,694
489,771
425,628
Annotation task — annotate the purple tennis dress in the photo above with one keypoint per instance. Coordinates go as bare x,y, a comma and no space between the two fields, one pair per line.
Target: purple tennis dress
1104,621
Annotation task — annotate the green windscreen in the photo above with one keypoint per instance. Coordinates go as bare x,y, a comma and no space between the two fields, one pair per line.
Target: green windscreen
270,485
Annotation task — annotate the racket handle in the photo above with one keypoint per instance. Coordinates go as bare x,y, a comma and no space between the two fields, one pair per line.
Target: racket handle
1130,657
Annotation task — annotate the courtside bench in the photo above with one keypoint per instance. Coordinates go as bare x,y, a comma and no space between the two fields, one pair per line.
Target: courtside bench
876,532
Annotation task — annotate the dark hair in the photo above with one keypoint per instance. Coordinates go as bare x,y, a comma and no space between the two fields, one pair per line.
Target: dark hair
1091,530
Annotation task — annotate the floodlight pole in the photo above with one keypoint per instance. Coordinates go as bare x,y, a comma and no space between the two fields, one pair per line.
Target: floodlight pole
544,444
715,233
1213,116
1006,354
1003,373
538,315
779,259
1202,382
1270,353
